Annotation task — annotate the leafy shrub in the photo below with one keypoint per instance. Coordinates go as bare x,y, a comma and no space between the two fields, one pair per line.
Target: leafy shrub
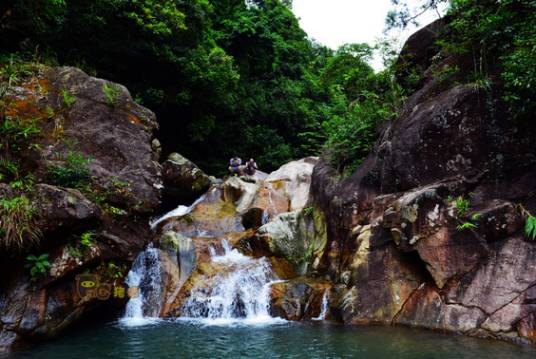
17,228
75,172
38,265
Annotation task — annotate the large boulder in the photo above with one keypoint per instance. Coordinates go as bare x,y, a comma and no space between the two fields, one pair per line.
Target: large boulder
298,299
114,133
97,182
62,209
299,237
183,180
294,178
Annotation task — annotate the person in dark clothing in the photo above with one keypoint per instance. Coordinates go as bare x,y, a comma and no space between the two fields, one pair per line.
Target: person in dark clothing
251,167
234,165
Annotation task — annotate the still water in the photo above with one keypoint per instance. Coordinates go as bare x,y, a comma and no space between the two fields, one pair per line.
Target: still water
163,339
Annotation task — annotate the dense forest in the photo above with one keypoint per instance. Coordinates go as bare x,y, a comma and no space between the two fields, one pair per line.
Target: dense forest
241,77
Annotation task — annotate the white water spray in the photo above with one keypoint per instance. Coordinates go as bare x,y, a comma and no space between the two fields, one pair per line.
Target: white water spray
324,307
145,276
177,212
239,293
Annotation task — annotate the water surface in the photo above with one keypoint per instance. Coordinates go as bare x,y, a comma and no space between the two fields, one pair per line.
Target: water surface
163,339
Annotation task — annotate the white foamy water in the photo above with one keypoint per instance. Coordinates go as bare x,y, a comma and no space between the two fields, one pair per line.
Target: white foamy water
144,275
177,212
238,295
324,308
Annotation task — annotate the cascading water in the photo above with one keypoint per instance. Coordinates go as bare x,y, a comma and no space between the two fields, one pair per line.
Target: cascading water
324,307
177,212
239,293
145,276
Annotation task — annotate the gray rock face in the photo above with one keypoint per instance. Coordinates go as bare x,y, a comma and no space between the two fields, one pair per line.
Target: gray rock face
105,139
183,180
116,137
63,209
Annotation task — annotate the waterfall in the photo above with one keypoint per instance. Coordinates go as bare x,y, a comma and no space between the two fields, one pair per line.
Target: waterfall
238,293
145,276
324,307
177,212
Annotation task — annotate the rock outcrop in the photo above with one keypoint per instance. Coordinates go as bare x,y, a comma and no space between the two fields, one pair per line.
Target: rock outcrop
428,232
183,180
95,181
251,215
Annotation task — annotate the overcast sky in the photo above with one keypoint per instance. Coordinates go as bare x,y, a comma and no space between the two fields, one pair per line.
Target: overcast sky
336,22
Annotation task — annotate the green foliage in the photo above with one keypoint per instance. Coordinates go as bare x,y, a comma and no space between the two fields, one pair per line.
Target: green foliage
16,133
86,240
160,18
74,173
499,34
361,101
111,92
112,270
12,71
17,229
68,98
9,169
38,266
530,227
466,225
245,79
462,206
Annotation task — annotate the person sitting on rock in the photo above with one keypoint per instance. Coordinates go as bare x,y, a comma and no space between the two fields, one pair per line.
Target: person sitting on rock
251,167
234,166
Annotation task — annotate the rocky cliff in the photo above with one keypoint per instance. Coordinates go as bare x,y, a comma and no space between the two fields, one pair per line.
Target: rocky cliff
85,180
428,232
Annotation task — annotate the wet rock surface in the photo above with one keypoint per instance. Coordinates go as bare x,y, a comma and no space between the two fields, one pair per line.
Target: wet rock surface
428,232
233,216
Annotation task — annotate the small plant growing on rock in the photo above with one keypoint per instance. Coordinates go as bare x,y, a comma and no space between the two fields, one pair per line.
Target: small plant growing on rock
68,98
462,206
86,240
111,92
530,227
466,225
17,229
75,173
38,265
15,133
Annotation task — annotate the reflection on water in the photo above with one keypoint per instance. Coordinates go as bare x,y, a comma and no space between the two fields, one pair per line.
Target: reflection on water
181,339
